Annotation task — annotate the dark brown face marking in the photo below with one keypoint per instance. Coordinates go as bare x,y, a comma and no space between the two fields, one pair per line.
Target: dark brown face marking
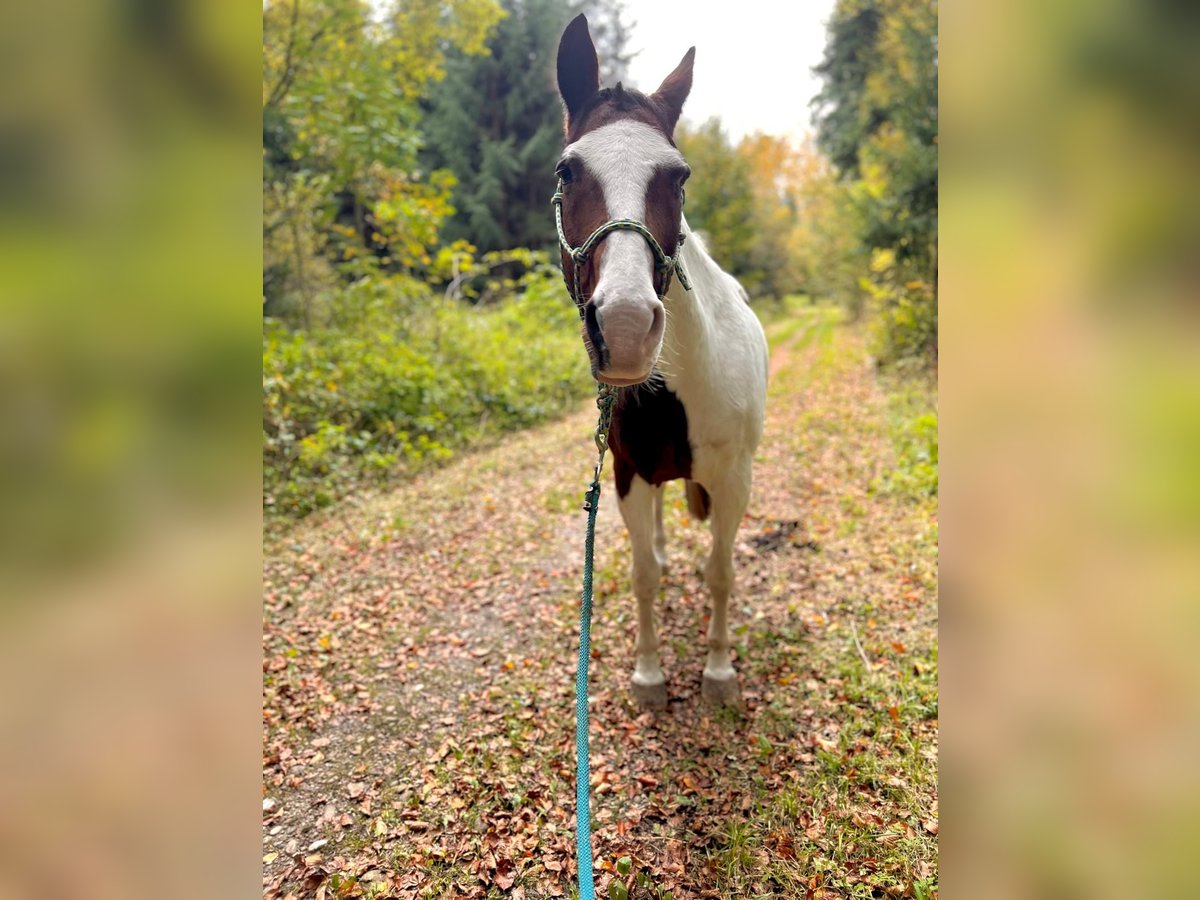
664,208
649,436
615,105
584,210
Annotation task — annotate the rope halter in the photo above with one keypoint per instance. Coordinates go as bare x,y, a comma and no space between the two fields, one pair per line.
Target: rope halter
666,266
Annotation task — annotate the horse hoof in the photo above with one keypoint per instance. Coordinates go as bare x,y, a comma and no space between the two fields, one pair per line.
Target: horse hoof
722,691
650,696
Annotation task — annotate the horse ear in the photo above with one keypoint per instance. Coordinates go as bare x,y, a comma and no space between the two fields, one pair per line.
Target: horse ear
676,87
578,67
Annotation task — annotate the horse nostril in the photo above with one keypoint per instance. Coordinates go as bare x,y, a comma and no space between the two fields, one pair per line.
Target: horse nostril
591,320
657,323
591,323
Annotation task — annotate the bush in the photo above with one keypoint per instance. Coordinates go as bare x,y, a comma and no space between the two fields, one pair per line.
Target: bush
904,314
403,379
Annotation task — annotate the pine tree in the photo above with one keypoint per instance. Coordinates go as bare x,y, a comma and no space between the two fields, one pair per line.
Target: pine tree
879,106
845,115
877,120
496,122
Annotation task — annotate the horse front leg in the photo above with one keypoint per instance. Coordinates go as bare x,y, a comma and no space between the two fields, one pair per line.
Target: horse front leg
729,500
638,511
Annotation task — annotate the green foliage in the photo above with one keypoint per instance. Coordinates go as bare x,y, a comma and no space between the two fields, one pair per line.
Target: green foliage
720,198
845,116
405,377
496,121
824,244
877,121
297,275
773,213
341,133
904,313
913,427
917,469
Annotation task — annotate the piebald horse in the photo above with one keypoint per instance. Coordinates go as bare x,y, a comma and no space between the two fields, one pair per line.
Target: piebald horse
687,353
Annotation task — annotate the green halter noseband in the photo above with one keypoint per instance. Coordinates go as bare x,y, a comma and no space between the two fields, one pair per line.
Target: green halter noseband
665,265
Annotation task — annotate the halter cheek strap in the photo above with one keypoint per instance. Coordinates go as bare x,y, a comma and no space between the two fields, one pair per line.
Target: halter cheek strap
665,265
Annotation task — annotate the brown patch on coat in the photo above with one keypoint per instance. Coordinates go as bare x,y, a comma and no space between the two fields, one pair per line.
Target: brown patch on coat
649,436
664,211
584,210
619,104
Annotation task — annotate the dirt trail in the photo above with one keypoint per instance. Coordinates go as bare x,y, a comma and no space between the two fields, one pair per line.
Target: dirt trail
419,657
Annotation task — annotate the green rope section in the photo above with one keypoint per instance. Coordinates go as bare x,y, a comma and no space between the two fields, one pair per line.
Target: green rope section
605,399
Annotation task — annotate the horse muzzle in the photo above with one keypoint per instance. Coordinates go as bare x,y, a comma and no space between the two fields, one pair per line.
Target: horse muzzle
626,339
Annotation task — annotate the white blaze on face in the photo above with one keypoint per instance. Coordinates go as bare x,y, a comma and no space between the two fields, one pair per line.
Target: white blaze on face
623,157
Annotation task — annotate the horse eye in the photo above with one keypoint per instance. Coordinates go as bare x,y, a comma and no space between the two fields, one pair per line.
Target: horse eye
563,172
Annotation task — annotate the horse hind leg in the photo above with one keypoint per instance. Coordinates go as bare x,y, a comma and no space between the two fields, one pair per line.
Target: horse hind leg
660,533
729,502
638,511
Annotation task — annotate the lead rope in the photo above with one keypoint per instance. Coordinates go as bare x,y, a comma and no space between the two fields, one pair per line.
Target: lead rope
606,396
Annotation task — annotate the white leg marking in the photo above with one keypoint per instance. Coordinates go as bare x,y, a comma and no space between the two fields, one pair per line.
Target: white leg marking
637,509
729,499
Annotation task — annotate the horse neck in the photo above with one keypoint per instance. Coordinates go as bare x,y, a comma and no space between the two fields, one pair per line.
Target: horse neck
690,351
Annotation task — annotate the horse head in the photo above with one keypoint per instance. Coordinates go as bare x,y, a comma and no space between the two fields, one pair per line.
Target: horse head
620,205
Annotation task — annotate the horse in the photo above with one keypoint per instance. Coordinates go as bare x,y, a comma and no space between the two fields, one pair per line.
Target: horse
668,328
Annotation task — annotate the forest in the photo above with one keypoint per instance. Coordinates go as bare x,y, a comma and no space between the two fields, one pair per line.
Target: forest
412,301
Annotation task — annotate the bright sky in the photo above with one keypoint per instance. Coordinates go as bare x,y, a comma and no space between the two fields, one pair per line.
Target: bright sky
754,58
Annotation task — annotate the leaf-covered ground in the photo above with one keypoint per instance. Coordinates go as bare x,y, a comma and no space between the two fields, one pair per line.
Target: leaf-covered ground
419,664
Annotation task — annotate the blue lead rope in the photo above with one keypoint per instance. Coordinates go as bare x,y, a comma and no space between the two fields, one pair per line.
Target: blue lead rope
605,398
583,830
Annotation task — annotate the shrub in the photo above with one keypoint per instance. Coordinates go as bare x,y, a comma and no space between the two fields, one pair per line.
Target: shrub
405,378
904,318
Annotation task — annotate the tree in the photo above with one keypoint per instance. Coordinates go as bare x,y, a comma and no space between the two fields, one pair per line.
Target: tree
720,199
496,122
610,30
824,243
844,117
877,120
772,163
340,92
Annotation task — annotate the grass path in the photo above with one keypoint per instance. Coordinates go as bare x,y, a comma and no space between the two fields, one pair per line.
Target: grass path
419,669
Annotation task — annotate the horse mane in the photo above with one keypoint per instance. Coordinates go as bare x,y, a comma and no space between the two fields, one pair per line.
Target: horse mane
620,102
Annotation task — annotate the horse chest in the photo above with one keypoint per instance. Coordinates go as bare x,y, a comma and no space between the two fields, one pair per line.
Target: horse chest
649,437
